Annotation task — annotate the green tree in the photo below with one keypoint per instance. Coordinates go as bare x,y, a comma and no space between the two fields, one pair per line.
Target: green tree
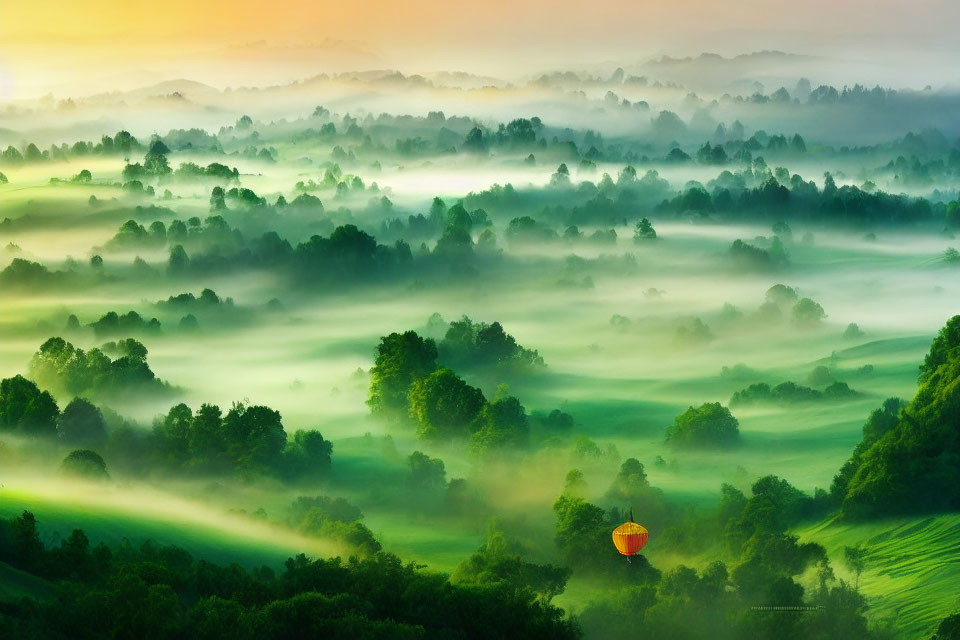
427,475
500,425
81,423
584,542
217,199
949,628
206,444
214,618
156,164
914,467
179,261
947,339
856,560
631,482
85,463
402,359
881,421
808,313
254,437
500,562
172,433
644,231
24,408
308,454
781,295
443,405
709,425
455,244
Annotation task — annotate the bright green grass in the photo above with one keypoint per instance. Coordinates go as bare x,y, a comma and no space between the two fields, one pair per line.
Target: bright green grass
218,538
913,567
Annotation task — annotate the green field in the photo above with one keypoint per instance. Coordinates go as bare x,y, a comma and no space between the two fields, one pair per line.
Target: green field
205,533
913,567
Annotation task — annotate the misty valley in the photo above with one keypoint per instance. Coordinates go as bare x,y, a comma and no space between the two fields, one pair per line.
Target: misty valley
386,355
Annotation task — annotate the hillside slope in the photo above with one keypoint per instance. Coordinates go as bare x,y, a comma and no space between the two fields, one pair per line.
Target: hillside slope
912,575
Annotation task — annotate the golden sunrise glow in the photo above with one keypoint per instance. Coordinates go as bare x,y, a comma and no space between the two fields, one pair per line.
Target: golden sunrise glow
77,47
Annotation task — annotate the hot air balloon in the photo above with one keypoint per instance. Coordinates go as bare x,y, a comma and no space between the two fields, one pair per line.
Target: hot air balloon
630,537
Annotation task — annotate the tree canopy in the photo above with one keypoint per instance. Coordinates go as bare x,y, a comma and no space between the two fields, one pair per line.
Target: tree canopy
711,425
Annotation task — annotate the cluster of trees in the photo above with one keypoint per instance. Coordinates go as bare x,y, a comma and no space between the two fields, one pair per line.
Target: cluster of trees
163,592
208,299
909,458
133,235
518,133
333,518
587,203
761,567
347,255
29,275
121,144
525,229
790,393
711,425
784,301
917,172
500,562
69,370
630,491
208,302
426,489
211,234
583,542
214,170
239,197
766,560
797,199
112,324
155,164
486,348
27,410
748,257
409,386
948,629
246,440
753,193
881,421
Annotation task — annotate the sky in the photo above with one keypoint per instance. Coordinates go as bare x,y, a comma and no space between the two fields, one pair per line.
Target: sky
76,47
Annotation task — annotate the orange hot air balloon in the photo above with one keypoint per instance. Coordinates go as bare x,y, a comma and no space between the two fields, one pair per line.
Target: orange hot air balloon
630,537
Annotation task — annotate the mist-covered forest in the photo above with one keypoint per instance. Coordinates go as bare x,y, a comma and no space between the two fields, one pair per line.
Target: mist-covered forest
389,355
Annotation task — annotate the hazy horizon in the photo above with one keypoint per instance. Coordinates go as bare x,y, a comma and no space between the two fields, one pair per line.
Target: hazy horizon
76,49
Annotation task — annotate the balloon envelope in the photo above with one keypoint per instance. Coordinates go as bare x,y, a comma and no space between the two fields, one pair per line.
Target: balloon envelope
629,538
